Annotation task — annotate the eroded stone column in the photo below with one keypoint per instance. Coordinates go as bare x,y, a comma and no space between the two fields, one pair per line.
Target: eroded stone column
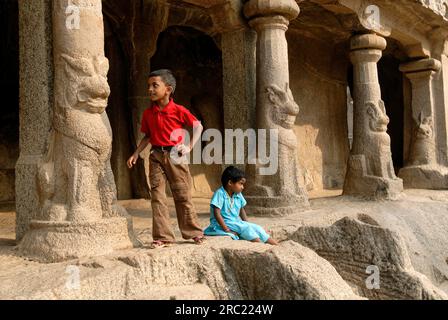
238,45
279,193
78,214
422,169
36,79
370,171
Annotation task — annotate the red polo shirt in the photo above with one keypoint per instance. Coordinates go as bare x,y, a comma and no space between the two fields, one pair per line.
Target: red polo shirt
158,124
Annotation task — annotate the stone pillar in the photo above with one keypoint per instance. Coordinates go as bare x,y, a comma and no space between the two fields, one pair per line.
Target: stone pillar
238,44
77,213
441,107
279,193
370,171
36,81
422,169
239,77
239,73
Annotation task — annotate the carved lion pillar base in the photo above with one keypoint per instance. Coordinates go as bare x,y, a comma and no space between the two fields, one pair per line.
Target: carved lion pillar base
422,170
78,213
370,171
434,177
51,242
279,192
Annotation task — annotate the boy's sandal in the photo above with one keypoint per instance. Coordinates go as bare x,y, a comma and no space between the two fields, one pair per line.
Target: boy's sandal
199,239
159,244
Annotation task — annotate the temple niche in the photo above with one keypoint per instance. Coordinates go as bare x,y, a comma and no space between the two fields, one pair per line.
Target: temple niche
394,92
197,65
319,68
184,46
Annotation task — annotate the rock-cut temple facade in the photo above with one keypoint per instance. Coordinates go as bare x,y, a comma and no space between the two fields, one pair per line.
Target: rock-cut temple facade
356,90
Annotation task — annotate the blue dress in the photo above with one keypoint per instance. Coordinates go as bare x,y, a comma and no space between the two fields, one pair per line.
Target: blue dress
231,215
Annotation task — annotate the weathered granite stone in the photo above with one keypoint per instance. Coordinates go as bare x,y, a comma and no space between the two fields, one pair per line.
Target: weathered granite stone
279,193
355,246
370,171
76,186
422,169
36,94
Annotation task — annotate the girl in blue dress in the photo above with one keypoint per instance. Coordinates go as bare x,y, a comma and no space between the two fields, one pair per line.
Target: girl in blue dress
227,214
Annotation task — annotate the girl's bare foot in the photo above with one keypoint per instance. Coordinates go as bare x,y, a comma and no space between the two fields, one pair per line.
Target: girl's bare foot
256,240
272,241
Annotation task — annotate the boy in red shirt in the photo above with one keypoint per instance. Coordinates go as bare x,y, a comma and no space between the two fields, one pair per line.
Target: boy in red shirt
158,123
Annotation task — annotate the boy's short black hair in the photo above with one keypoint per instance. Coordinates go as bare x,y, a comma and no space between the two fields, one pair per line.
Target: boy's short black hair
167,76
233,174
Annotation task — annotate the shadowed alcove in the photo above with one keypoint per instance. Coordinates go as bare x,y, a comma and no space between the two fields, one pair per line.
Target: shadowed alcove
392,82
144,36
196,63
9,83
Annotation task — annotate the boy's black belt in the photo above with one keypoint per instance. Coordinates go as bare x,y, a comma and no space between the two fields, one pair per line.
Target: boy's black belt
163,148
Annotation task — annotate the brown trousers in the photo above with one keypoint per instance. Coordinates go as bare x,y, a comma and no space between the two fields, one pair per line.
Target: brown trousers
162,168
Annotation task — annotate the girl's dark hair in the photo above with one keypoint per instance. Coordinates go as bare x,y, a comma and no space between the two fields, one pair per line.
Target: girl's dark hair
233,174
167,77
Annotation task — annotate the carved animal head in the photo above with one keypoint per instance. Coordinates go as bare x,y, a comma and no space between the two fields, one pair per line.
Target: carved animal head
88,89
378,120
284,109
424,127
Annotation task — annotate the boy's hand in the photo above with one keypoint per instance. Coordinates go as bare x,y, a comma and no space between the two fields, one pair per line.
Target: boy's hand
132,160
183,149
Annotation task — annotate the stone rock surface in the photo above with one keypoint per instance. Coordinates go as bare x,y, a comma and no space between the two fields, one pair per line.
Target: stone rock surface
343,236
217,270
288,271
353,245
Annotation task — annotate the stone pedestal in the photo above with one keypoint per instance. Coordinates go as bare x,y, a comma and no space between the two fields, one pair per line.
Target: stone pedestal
52,241
370,171
279,193
78,214
422,169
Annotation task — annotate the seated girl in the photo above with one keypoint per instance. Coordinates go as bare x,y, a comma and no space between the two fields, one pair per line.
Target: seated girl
227,214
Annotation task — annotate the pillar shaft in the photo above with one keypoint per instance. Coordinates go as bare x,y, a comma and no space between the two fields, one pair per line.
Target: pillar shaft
422,169
420,73
36,81
370,171
365,82
239,72
272,61
278,191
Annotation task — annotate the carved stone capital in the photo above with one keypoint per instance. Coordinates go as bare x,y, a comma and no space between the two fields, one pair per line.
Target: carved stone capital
367,41
265,8
422,66
366,48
